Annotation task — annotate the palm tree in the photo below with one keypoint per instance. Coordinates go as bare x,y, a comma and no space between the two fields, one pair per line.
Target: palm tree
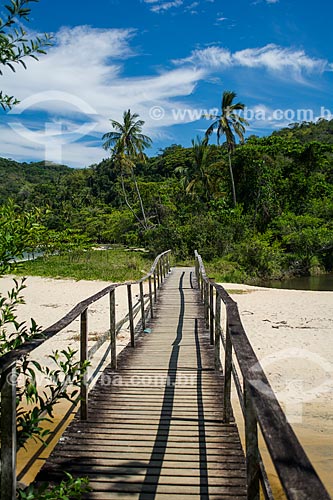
229,123
197,178
127,144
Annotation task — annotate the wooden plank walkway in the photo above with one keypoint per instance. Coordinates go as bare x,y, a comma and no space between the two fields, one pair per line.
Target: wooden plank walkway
155,426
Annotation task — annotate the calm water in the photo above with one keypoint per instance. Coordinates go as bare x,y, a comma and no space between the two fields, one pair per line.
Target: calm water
321,283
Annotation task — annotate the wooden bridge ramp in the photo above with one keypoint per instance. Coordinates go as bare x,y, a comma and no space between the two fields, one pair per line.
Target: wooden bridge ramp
155,426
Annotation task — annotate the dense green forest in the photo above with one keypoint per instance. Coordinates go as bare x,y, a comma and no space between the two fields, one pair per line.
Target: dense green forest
282,224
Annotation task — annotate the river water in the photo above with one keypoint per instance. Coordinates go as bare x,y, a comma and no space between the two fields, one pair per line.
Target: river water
322,282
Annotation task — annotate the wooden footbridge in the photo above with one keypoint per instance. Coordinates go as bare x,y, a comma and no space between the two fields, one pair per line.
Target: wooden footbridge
159,423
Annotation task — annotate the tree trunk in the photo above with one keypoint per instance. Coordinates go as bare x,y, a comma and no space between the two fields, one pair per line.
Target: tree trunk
232,180
140,200
127,202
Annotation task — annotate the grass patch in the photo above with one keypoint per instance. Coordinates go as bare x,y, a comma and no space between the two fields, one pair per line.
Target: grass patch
107,265
236,291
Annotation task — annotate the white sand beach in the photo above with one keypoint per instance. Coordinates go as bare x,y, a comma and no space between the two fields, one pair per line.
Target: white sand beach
290,331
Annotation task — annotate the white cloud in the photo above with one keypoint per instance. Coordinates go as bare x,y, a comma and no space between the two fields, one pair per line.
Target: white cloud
157,6
86,66
211,57
192,8
271,57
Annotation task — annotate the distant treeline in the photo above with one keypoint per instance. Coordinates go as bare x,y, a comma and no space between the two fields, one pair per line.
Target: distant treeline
282,223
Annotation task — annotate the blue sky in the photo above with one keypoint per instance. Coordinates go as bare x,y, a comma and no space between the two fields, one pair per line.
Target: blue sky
169,61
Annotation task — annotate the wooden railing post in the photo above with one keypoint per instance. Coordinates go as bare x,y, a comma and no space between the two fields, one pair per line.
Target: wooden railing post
206,304
163,266
211,313
251,446
155,288
217,340
130,314
113,338
202,287
169,265
161,271
197,269
227,377
142,303
83,359
8,433
151,298
158,276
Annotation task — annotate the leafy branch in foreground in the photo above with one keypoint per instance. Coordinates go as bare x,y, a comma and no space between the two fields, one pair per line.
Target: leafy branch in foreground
35,405
13,333
20,231
15,46
72,488
60,383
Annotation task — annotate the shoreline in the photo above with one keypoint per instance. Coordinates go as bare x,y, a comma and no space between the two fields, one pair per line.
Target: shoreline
291,332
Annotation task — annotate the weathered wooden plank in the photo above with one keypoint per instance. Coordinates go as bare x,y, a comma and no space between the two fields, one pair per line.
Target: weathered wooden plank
170,489
134,471
59,464
162,496
118,436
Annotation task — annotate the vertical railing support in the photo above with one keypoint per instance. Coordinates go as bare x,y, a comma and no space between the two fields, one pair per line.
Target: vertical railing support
197,270
158,276
211,314
202,288
206,304
163,266
151,298
113,338
161,271
142,303
155,288
130,314
168,261
227,377
217,340
83,359
8,433
251,445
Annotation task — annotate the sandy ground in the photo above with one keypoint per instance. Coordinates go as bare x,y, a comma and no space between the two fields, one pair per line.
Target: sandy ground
291,333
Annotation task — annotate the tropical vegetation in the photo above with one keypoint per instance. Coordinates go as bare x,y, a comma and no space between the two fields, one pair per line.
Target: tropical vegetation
281,224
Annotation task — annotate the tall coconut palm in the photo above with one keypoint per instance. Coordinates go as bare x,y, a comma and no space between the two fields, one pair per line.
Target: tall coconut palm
229,123
127,144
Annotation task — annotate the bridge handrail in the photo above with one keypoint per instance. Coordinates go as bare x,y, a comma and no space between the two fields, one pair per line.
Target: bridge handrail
258,401
155,277
9,358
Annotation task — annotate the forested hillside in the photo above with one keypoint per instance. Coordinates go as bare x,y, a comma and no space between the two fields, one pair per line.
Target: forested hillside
281,225
19,179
